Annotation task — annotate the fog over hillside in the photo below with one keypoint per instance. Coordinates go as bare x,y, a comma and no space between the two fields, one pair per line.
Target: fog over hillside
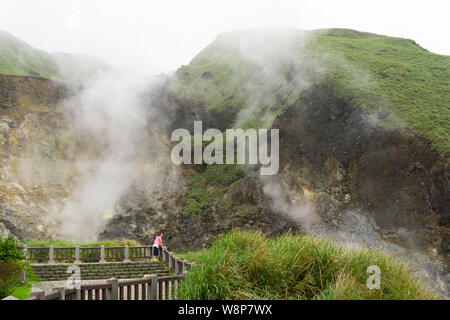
89,102
159,36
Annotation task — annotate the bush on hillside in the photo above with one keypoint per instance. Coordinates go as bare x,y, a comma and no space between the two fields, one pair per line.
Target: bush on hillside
8,249
242,265
10,266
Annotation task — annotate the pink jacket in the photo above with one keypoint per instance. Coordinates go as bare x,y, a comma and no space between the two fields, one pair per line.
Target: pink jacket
158,241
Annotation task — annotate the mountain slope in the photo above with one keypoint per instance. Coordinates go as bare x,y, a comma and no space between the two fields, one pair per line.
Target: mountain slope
404,79
19,58
364,135
398,82
354,163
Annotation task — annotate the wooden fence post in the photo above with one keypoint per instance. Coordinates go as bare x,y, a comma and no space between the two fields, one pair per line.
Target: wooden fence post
24,252
170,261
153,287
77,293
185,263
102,254
61,291
23,274
127,254
148,289
50,253
39,294
77,255
150,253
177,266
113,293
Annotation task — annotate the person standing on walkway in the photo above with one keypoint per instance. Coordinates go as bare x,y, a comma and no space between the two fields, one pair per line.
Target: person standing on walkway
157,246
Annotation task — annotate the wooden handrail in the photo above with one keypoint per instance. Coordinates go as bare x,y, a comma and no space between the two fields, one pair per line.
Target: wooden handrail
130,282
90,253
95,286
163,288
53,295
170,278
152,287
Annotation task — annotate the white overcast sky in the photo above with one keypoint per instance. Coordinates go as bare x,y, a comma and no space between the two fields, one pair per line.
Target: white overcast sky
161,35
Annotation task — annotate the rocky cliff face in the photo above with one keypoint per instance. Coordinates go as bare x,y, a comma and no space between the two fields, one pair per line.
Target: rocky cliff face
35,144
341,175
391,175
372,185
45,158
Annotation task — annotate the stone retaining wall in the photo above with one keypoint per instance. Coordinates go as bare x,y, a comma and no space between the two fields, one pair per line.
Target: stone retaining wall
120,270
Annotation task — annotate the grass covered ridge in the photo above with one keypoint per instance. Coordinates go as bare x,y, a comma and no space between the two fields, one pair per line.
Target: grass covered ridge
242,265
391,74
208,184
377,73
21,59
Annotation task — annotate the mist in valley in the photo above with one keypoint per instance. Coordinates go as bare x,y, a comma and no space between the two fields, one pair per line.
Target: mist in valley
114,158
111,119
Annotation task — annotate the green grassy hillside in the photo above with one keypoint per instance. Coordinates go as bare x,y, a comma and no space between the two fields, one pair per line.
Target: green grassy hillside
242,265
402,78
258,74
19,58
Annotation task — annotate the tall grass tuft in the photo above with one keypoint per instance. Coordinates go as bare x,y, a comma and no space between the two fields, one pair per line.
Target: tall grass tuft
248,265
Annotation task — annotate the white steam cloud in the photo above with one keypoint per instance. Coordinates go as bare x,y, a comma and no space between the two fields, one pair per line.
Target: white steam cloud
296,206
277,52
109,121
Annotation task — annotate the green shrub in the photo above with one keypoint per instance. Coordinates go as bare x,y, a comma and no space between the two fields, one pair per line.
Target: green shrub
23,290
9,276
10,266
8,249
247,265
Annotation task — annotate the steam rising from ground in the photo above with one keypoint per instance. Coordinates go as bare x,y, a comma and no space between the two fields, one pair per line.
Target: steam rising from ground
277,53
109,115
285,64
300,210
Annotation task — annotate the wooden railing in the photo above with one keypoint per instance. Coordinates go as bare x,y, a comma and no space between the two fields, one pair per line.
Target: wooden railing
103,254
148,288
86,254
176,265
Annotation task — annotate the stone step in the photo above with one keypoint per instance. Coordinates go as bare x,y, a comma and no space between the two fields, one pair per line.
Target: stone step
100,271
87,265
97,264
128,276
95,271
